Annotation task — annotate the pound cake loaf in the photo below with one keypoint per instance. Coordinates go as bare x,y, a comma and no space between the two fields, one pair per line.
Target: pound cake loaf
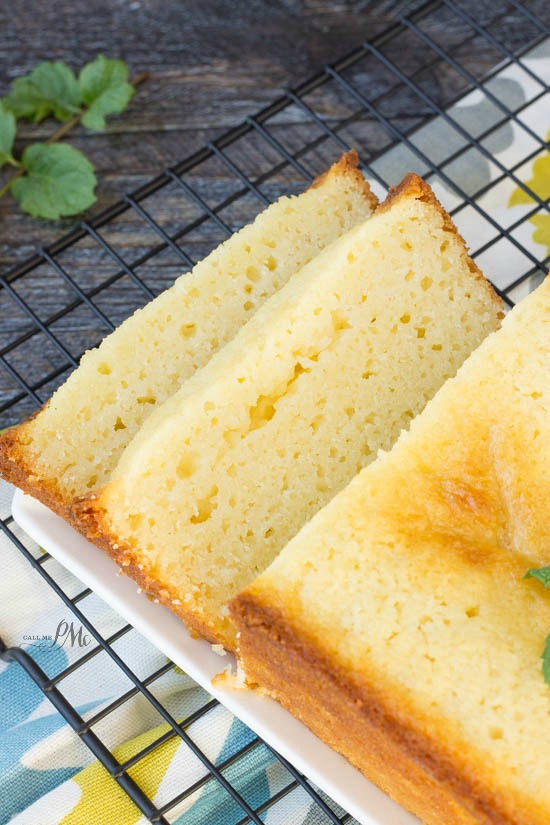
329,370
398,624
71,446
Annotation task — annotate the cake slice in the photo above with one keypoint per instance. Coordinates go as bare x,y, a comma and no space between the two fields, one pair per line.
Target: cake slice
329,370
71,446
398,625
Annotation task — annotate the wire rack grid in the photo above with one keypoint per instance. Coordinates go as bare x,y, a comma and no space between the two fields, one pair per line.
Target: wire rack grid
113,263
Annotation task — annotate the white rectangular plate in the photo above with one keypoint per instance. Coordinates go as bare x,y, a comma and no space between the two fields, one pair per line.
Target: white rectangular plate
265,717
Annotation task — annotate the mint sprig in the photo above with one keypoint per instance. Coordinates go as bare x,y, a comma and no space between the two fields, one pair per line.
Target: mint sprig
542,574
54,180
7,136
105,90
50,89
58,181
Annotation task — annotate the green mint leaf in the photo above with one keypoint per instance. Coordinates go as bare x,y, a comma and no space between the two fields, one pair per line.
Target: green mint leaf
7,136
105,89
542,574
50,89
546,661
59,181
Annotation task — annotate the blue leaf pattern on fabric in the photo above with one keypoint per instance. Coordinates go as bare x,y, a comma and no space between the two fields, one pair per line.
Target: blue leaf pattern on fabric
248,776
19,698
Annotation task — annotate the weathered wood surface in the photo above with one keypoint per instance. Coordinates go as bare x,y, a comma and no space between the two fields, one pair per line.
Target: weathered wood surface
212,63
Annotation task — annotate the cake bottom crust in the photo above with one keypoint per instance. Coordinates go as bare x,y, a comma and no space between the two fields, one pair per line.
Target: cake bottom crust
86,519
361,726
15,469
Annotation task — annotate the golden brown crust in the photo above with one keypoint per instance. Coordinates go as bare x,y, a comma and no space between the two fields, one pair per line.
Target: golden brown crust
86,517
16,469
357,720
412,186
347,166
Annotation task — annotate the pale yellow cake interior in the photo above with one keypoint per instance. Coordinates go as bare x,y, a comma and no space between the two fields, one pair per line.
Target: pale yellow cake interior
411,579
328,371
77,439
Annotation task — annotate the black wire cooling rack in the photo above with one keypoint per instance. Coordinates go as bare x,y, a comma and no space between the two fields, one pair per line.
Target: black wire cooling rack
110,265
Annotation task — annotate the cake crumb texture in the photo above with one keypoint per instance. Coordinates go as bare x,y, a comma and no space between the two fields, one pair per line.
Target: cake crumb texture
397,624
71,446
326,373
